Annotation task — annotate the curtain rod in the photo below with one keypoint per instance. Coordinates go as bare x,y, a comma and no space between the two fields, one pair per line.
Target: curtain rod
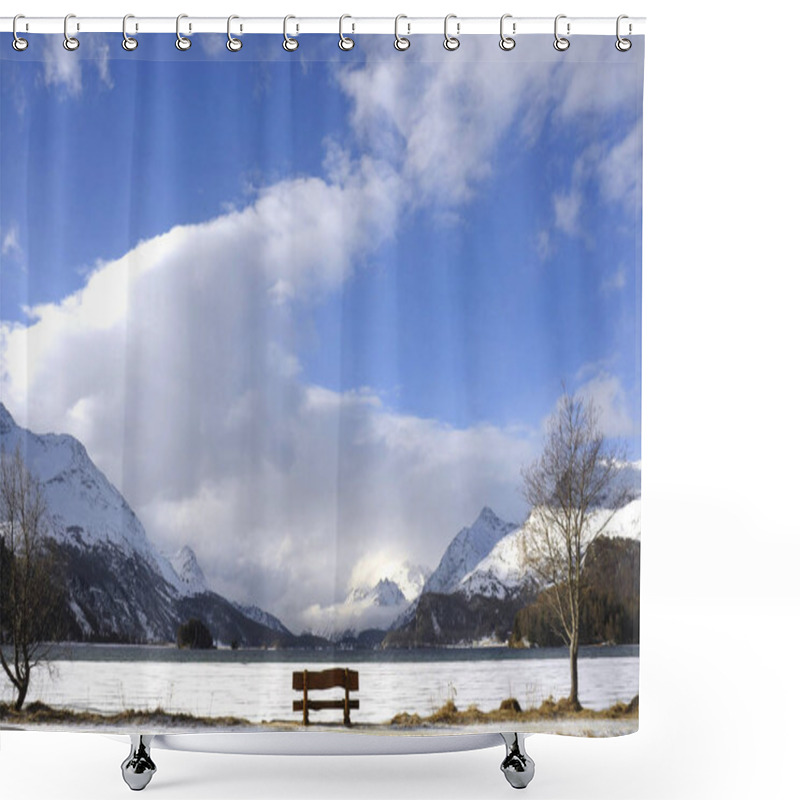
460,26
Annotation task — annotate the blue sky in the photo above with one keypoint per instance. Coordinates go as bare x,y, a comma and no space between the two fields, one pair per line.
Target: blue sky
464,235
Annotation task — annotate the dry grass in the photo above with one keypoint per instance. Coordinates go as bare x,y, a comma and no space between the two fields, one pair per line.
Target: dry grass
511,711
39,713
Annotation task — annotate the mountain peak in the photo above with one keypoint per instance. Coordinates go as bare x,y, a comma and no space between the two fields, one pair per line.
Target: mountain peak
192,579
487,515
187,553
469,547
387,593
384,593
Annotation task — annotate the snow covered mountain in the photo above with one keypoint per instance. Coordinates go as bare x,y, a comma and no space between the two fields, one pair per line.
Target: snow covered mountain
463,554
489,557
467,549
502,572
262,617
394,587
383,593
118,587
409,578
627,521
85,510
370,606
484,578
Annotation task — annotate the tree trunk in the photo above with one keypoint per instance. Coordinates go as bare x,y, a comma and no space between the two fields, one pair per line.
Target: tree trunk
22,691
573,671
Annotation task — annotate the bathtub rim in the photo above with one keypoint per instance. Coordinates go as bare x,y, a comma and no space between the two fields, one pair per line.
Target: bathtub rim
323,743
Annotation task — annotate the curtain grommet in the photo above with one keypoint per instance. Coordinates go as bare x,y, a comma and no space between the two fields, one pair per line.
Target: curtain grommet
71,43
561,43
345,42
233,44
622,44
290,44
507,42
181,42
401,43
18,43
451,43
129,43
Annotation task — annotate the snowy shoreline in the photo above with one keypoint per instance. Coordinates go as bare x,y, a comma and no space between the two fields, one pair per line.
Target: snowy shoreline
552,716
600,728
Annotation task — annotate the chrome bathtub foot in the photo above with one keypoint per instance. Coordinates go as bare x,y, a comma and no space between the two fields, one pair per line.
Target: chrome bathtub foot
517,766
138,768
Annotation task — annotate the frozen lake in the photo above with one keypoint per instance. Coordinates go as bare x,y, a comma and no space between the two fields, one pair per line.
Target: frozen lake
256,685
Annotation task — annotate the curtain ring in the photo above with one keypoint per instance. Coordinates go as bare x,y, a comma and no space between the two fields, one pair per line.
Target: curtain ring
19,44
561,43
623,45
128,42
450,42
400,42
181,42
70,42
345,42
233,44
506,42
289,44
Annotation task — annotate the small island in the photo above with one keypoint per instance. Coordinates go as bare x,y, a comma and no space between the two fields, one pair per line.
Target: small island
194,635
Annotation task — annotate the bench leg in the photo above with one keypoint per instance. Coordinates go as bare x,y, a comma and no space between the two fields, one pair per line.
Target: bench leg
305,697
517,766
138,768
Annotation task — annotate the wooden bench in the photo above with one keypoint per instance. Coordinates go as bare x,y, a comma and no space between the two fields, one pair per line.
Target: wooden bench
306,682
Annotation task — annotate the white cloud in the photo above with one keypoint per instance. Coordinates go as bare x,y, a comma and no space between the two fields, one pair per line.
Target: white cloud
10,242
376,564
343,476
542,244
63,69
442,115
212,45
615,169
566,208
596,90
163,315
175,366
102,57
616,281
609,398
356,615
620,170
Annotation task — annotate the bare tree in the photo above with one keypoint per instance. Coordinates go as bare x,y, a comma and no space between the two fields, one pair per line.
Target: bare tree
574,493
27,595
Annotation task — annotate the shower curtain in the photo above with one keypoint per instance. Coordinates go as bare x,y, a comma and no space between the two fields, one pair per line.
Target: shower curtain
320,359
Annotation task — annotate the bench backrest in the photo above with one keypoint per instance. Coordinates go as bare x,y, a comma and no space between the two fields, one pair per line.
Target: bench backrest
325,679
